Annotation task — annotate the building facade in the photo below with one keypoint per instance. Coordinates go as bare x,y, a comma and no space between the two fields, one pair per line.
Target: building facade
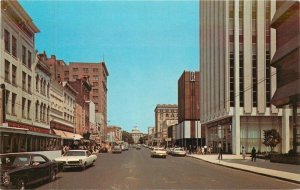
189,127
163,113
22,128
97,74
237,82
286,60
136,135
114,134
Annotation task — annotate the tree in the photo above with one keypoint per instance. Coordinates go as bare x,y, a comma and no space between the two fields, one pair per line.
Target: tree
271,138
127,137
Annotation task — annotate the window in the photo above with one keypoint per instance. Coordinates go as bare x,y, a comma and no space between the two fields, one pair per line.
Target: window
85,70
37,83
6,100
95,69
95,84
95,90
14,46
13,104
7,40
254,80
14,75
36,111
231,79
95,77
24,55
28,109
75,69
24,81
29,84
95,98
29,61
75,77
23,107
7,71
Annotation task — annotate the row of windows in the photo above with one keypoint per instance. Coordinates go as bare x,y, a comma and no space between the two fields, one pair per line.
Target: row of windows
11,46
95,77
42,86
85,70
42,112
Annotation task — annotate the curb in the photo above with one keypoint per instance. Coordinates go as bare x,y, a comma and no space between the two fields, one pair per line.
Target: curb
263,174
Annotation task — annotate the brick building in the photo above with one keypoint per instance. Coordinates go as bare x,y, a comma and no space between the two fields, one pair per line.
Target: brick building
97,74
188,131
82,86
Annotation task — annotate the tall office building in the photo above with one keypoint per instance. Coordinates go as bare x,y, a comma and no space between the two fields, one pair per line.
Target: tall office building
97,74
237,82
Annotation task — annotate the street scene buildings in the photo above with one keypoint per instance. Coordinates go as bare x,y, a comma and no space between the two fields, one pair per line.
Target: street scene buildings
239,108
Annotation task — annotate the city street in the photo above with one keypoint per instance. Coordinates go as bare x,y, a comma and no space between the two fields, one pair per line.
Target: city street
134,169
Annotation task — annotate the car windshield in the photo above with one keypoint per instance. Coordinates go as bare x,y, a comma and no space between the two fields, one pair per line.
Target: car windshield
14,161
75,153
178,149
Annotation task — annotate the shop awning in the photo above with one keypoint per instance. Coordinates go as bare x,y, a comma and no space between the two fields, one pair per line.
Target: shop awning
67,135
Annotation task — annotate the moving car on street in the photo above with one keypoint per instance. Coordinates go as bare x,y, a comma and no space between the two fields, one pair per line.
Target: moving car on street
77,159
19,170
138,147
158,152
116,149
178,152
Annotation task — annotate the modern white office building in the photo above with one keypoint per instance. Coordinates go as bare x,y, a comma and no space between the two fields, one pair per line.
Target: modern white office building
237,82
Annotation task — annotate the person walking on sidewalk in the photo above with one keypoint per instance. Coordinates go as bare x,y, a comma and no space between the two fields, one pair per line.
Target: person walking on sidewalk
253,154
243,152
220,150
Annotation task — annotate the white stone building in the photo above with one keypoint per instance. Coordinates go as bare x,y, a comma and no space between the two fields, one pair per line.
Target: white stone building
237,82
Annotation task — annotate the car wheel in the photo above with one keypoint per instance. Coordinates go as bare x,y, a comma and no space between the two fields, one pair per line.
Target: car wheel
52,175
84,166
21,184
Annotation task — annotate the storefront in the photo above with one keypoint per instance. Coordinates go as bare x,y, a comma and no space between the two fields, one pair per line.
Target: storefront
219,131
14,139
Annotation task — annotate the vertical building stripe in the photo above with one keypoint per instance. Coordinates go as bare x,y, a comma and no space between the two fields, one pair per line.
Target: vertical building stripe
261,57
247,57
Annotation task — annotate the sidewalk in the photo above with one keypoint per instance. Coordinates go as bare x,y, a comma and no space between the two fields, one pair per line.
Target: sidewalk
285,172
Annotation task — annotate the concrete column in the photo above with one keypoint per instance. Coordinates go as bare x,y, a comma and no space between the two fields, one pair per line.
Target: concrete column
236,111
285,130
261,57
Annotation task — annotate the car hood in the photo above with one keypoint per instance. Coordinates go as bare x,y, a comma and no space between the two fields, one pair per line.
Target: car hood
69,158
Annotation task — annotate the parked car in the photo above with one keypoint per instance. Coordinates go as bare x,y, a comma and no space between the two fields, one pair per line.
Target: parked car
20,170
158,152
116,149
138,147
178,152
77,159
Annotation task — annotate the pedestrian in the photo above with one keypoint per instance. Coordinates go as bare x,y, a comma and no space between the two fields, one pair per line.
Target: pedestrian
243,152
190,149
253,154
205,149
220,150
209,150
202,150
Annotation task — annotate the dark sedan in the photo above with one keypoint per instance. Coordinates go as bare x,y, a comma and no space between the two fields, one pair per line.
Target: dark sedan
18,171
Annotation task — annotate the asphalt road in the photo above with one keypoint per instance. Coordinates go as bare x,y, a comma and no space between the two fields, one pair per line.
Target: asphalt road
134,169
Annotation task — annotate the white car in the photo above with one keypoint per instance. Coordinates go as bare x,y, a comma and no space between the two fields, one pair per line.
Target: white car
77,159
178,152
158,152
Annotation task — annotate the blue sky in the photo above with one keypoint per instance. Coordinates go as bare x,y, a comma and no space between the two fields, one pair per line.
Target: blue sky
146,46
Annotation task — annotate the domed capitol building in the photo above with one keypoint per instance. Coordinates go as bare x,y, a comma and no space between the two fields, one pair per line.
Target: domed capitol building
136,135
